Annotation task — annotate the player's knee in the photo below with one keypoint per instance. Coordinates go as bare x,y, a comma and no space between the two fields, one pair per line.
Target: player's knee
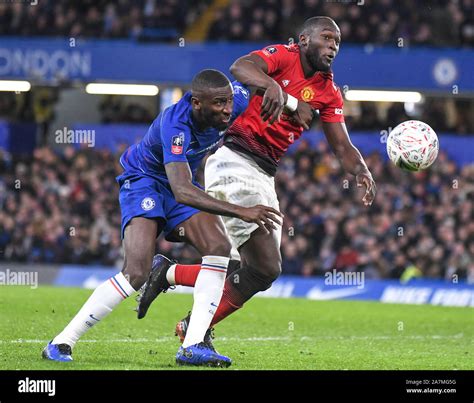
271,268
274,272
220,248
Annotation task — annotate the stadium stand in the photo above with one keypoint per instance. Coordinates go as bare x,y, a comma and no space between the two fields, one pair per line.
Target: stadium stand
143,19
437,22
381,22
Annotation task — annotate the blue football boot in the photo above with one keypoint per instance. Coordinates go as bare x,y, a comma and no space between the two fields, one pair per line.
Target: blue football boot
201,354
57,352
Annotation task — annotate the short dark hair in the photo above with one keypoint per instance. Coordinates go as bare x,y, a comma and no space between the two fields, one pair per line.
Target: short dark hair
314,22
209,78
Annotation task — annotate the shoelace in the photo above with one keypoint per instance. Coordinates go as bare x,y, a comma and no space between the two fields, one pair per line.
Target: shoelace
171,287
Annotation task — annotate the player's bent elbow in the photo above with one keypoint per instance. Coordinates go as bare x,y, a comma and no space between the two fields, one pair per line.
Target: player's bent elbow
181,191
180,195
234,68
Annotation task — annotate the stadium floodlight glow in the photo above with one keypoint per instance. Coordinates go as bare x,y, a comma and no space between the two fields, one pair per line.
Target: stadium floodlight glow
383,96
15,86
122,89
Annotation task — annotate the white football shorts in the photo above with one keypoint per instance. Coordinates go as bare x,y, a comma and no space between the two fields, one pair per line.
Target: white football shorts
236,178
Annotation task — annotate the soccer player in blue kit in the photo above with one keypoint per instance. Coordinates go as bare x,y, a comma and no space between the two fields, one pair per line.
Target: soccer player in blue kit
158,193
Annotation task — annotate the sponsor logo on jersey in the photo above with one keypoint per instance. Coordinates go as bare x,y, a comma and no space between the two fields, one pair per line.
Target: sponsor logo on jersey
269,51
307,93
285,82
177,143
147,203
338,111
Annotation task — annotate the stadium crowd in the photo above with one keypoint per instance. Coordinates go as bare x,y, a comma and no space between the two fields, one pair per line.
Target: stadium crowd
138,19
420,22
62,207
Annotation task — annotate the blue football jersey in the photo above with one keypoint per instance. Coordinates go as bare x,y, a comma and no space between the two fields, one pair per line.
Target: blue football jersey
173,137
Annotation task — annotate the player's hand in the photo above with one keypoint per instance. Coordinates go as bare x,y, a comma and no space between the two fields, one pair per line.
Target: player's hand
303,115
265,217
365,179
273,103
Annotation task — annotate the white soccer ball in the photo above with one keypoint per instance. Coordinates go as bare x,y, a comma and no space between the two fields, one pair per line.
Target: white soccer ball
412,145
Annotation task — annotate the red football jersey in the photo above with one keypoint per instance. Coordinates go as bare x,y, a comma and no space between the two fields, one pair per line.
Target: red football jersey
269,142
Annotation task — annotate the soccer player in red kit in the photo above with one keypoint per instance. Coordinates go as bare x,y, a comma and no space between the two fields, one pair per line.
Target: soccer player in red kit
290,83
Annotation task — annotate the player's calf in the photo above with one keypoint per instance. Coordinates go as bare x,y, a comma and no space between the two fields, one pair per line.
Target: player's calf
137,270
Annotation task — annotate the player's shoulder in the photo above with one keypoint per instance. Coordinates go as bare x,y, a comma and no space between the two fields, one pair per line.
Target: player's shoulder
178,113
286,50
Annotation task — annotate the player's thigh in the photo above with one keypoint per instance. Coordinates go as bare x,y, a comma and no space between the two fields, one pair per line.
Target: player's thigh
262,252
206,232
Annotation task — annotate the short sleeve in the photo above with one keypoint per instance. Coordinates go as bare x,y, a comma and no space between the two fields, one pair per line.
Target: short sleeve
333,109
275,56
175,139
241,98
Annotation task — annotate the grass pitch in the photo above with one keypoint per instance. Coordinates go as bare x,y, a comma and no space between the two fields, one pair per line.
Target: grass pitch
267,333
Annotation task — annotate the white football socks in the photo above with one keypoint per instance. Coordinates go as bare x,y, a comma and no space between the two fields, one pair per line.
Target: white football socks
170,277
102,301
207,295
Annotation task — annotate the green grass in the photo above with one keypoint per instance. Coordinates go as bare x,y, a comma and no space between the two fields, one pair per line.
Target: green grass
266,334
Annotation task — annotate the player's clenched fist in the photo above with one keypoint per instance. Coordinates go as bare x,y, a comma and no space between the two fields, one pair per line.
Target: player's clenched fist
263,216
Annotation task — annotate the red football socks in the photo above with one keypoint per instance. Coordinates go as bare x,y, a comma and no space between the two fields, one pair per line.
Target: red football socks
232,300
186,274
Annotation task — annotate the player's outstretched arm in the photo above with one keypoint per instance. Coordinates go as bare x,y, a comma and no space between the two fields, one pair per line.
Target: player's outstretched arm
350,158
185,192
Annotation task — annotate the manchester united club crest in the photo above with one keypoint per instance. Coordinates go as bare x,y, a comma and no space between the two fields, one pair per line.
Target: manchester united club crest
177,143
307,93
